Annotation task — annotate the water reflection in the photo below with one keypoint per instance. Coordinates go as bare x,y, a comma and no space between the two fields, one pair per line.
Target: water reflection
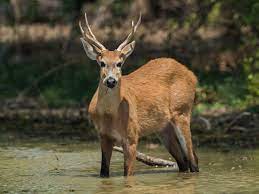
59,168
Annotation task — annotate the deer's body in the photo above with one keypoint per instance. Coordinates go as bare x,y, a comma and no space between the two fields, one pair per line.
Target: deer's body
145,105
139,106
157,97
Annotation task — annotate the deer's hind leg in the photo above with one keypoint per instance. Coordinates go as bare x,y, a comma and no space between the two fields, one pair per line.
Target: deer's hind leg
182,130
182,97
173,146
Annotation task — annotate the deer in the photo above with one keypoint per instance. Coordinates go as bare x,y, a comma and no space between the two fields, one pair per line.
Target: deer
156,98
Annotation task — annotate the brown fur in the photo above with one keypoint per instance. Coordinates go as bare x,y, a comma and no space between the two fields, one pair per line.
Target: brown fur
157,97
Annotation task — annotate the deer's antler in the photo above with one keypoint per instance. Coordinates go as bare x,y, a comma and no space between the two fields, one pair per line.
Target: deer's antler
131,35
90,38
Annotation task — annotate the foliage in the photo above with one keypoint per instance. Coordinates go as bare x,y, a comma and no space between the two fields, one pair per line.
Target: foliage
246,16
119,8
236,88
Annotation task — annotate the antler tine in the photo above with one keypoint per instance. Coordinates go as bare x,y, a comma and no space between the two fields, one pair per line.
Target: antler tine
90,37
86,35
88,27
81,28
131,35
92,34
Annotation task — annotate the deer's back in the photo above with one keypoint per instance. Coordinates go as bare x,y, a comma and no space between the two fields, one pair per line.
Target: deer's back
163,72
159,88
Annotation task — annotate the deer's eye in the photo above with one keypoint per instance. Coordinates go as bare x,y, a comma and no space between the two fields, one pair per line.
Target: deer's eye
119,64
102,64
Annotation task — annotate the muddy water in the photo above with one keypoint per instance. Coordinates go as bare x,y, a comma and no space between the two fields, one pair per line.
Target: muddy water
73,168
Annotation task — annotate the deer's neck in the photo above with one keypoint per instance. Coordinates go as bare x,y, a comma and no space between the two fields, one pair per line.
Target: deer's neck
108,99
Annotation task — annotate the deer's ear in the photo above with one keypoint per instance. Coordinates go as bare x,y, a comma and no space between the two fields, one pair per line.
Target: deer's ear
91,52
128,49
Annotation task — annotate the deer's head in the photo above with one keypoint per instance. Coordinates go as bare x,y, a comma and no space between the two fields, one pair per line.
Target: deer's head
110,62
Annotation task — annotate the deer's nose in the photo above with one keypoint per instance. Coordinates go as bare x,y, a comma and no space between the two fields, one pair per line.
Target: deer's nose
111,82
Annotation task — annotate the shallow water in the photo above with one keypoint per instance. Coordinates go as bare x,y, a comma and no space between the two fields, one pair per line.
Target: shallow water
66,168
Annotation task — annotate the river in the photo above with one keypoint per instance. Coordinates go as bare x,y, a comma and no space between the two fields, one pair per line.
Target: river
73,167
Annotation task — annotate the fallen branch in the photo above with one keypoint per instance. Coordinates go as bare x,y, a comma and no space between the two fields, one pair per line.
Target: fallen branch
150,161
238,117
205,121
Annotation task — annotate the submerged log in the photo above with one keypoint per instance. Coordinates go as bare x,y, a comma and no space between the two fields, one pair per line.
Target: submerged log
149,160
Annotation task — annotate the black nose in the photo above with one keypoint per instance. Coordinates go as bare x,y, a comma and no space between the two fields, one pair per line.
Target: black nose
111,82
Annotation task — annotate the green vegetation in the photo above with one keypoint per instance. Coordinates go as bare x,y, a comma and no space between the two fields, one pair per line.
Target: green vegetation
25,66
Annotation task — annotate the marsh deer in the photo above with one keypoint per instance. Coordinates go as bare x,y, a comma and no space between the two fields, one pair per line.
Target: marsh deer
157,97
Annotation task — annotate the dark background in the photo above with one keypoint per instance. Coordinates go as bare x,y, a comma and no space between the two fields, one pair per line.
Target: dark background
43,64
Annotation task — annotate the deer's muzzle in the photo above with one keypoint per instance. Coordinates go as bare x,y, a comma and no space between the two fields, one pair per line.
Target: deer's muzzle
111,82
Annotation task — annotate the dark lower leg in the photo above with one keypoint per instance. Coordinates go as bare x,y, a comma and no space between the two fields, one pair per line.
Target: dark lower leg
182,127
194,166
173,146
106,146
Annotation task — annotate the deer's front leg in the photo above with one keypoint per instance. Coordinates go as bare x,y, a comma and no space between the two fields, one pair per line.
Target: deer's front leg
129,157
106,147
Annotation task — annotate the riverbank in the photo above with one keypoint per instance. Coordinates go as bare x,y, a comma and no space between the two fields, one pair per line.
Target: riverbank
238,128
